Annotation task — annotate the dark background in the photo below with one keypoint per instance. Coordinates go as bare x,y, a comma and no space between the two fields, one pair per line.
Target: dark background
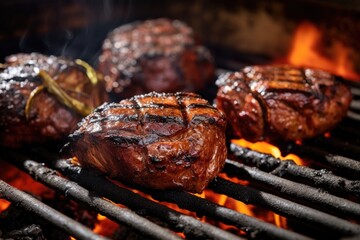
240,28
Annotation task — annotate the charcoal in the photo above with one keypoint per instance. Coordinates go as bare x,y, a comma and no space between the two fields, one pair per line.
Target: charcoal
31,232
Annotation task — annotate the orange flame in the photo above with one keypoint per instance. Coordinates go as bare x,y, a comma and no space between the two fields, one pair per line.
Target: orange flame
307,51
267,148
4,204
22,181
104,226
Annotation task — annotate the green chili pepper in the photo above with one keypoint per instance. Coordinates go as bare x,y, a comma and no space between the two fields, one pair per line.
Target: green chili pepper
53,87
30,100
90,72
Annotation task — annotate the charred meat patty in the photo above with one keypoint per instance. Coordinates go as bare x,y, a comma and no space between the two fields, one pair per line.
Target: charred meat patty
33,88
160,141
276,103
154,55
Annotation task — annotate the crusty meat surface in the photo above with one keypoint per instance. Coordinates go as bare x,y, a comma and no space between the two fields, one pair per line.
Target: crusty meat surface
48,119
160,141
276,103
154,55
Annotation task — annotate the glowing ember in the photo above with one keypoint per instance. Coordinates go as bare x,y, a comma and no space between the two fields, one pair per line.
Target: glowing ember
306,51
280,221
4,205
267,148
22,181
104,226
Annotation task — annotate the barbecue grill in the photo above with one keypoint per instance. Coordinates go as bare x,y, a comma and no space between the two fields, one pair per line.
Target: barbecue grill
318,200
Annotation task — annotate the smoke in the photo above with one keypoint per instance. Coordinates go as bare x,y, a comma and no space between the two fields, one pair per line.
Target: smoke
74,29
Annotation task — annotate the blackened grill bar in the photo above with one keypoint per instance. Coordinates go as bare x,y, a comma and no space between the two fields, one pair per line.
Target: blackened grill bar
191,227
294,191
74,191
296,201
29,203
335,145
105,188
344,132
288,169
254,228
326,222
109,190
338,163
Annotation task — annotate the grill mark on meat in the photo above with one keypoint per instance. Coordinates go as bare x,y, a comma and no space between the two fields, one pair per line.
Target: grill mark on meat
314,90
270,91
115,118
298,79
202,118
33,79
306,99
179,99
76,136
27,118
146,118
162,119
165,152
136,106
199,105
263,106
138,52
120,140
304,77
152,105
159,106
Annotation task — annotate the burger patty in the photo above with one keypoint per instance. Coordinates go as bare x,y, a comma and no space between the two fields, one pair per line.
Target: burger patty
161,141
154,55
275,103
29,112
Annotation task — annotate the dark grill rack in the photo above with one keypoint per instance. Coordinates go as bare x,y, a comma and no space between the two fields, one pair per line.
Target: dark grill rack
319,201
316,202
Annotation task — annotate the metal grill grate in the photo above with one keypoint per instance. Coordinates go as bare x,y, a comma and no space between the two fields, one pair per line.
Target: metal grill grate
319,201
314,198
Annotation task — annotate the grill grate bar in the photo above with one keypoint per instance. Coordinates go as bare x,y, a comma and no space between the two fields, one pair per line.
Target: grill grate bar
343,132
294,191
190,226
288,169
49,214
316,219
113,212
192,203
335,145
345,166
254,227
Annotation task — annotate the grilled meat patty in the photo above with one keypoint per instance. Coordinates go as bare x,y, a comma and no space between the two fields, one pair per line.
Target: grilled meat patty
161,141
281,102
154,55
47,118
